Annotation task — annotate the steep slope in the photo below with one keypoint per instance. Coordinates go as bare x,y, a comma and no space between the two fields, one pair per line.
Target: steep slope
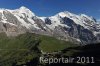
64,25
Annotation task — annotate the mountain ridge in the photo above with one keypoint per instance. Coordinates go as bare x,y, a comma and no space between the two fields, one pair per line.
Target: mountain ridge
64,25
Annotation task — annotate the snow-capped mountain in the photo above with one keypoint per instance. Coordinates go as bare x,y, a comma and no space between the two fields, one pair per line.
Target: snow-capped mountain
64,25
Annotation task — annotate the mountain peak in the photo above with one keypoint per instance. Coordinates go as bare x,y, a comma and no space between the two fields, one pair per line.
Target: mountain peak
84,16
27,11
23,7
65,14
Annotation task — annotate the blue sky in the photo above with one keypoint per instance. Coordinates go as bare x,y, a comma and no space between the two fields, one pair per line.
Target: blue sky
51,7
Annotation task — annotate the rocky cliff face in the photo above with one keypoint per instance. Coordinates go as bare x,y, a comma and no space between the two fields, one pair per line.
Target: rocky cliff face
64,25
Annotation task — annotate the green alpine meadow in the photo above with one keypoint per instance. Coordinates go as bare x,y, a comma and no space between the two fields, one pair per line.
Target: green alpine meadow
25,48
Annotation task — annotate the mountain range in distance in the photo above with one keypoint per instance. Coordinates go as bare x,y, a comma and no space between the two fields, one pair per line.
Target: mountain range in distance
79,29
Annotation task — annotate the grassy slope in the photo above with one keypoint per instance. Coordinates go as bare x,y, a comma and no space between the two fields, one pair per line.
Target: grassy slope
23,48
50,44
17,50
